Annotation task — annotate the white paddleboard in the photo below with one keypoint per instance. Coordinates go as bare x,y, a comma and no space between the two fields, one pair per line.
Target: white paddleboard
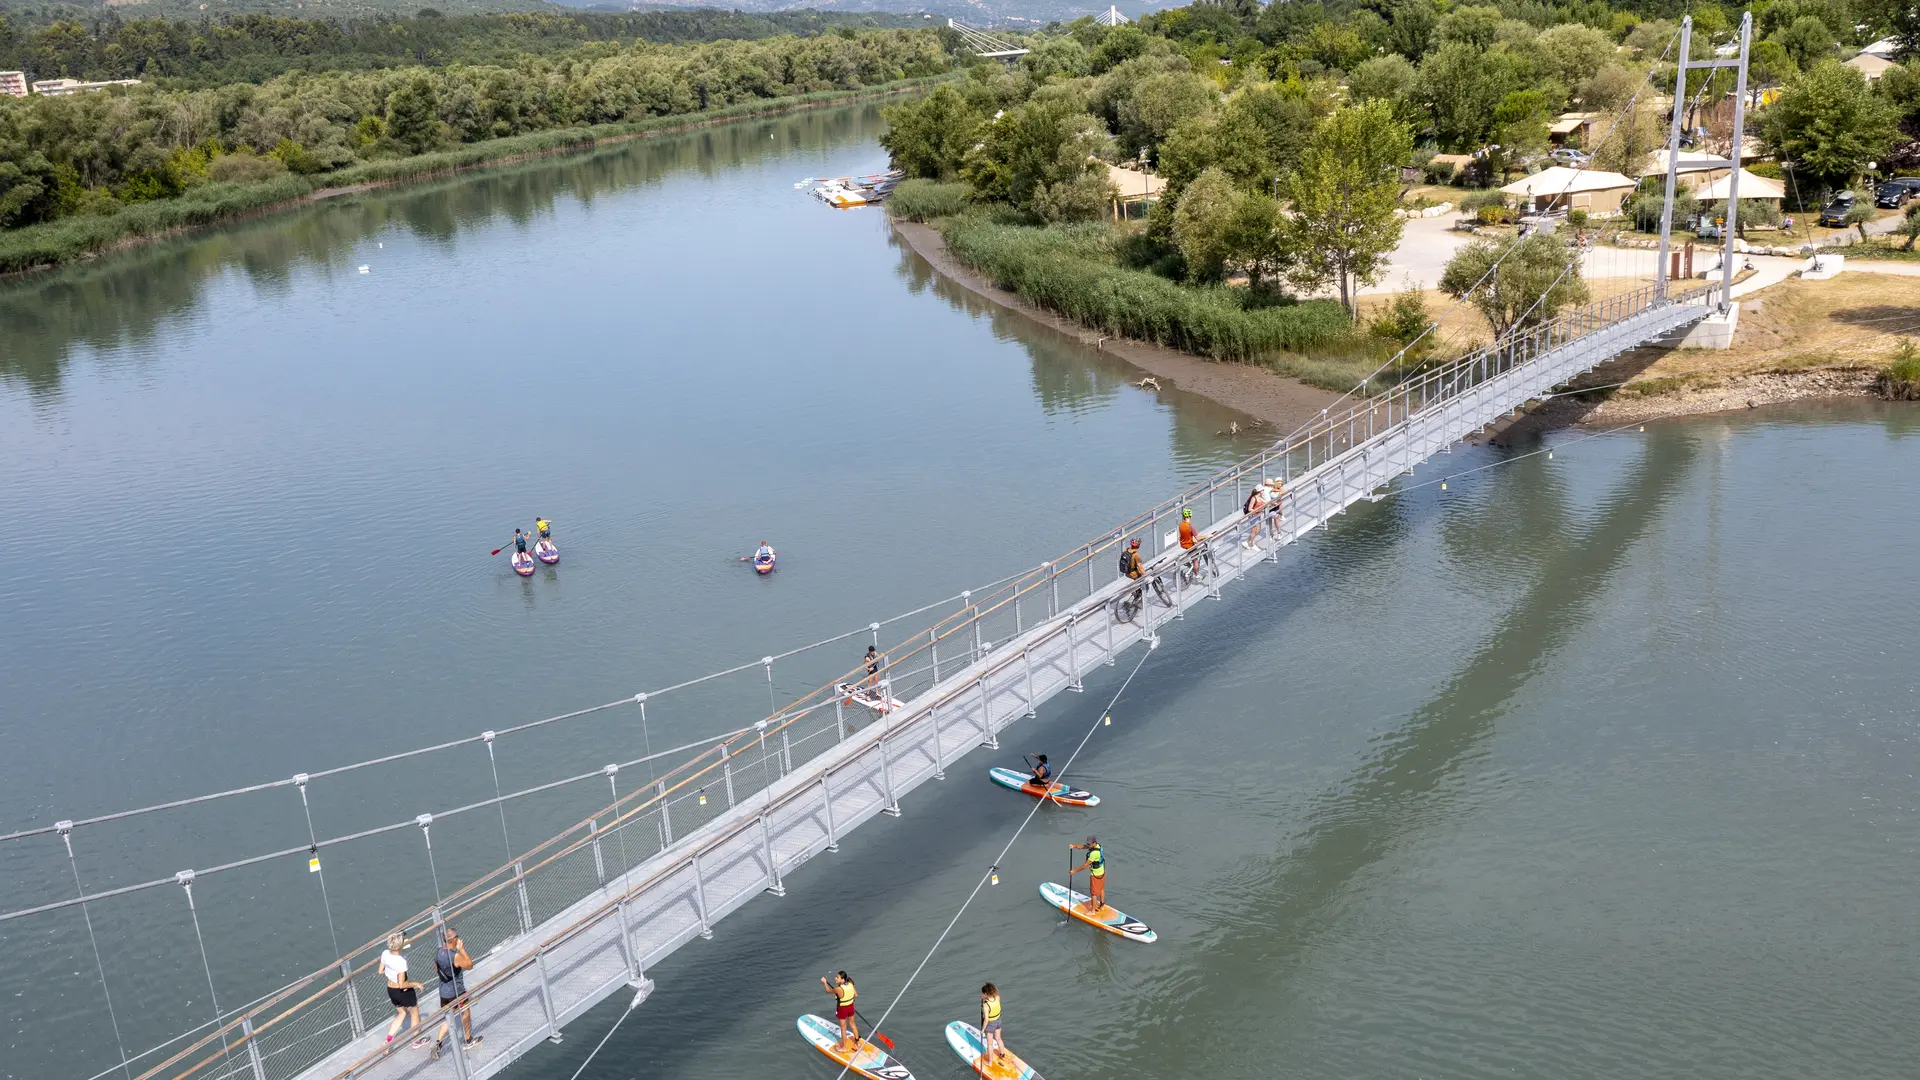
1108,918
869,1061
967,1041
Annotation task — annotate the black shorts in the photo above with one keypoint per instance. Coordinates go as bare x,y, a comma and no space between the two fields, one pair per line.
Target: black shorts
455,999
403,997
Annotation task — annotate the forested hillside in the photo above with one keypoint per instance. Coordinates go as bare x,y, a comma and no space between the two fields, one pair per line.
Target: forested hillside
207,51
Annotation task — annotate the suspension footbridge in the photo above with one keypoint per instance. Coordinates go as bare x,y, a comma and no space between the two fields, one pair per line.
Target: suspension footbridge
585,916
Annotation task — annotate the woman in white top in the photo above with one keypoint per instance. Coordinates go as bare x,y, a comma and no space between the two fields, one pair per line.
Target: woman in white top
403,994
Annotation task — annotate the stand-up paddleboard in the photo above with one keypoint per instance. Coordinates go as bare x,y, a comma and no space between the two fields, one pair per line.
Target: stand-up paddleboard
869,1061
967,1041
876,699
523,564
546,552
1061,793
1108,918
763,564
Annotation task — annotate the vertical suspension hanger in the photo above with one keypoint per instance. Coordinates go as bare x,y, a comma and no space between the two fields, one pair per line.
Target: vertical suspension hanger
425,821
487,737
185,880
619,829
65,829
313,859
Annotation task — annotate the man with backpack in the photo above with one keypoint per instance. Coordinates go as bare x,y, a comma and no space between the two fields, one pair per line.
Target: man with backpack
452,963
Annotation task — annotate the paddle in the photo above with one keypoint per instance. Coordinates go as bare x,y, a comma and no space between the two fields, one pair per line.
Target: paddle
501,548
874,1030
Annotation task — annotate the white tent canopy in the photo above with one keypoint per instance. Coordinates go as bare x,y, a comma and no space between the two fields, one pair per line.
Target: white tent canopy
1751,187
1561,180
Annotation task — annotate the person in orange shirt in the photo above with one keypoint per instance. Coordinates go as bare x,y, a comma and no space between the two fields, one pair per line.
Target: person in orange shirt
1187,536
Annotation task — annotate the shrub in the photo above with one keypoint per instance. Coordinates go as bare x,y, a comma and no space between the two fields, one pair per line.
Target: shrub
243,168
1901,380
1403,320
1072,271
1482,198
925,200
1769,169
1577,217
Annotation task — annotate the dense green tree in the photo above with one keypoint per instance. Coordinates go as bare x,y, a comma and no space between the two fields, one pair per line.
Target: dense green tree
1288,21
930,136
1344,192
1385,78
1807,41
1518,283
1217,223
1411,28
1473,26
1573,54
1159,103
1039,154
1520,122
1828,124
1462,86
413,115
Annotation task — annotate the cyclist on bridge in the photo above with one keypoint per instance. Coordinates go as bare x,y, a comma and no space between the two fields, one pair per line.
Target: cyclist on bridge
1188,537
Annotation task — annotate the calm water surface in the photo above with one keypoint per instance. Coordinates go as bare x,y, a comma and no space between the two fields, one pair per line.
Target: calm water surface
1597,765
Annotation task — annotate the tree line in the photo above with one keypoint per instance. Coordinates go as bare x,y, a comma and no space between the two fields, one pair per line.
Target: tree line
1281,131
252,47
87,154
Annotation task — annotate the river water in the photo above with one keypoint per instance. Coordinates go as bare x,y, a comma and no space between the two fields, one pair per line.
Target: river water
1598,764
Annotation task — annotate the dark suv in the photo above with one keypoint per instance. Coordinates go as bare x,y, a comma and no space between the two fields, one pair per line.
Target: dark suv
1895,193
1834,214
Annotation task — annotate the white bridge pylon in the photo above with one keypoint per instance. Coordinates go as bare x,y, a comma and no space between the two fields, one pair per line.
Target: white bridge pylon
981,43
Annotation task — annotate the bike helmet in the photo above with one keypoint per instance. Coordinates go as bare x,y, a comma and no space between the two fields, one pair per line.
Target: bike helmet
1136,543
1186,513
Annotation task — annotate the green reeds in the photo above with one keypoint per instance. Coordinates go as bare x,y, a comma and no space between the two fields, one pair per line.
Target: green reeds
925,200
1071,270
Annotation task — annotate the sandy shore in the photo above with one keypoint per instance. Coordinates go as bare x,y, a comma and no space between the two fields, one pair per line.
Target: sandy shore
1277,401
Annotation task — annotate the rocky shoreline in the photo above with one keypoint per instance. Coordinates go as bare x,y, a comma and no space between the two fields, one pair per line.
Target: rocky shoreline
1284,403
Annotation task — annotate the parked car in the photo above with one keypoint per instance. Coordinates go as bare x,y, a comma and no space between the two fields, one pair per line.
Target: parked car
1834,214
1568,156
1895,193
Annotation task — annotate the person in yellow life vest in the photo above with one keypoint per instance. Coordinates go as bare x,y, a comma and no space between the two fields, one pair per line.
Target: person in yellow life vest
841,987
544,527
1096,868
993,1042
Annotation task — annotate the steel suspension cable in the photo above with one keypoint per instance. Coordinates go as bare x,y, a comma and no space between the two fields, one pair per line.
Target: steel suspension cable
98,965
993,872
313,846
386,759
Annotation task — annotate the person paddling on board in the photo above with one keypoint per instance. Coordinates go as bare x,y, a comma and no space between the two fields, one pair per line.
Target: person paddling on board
763,552
993,1041
519,541
543,527
1042,773
1096,868
841,987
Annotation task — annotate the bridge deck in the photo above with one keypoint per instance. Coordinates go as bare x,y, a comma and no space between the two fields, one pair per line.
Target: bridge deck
565,961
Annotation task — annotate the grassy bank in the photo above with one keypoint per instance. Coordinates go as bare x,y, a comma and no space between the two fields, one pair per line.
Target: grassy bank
54,243
1078,271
